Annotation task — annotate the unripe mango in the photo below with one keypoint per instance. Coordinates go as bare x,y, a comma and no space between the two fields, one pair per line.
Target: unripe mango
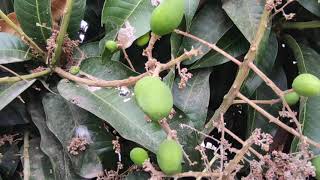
111,46
292,98
74,70
138,156
143,40
167,16
154,97
306,85
169,157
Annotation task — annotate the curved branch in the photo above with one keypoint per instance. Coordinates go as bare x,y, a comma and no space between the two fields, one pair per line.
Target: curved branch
6,80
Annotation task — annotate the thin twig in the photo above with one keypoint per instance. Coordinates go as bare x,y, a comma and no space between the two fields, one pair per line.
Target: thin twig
277,121
12,72
128,59
148,51
222,139
268,102
7,80
26,158
22,34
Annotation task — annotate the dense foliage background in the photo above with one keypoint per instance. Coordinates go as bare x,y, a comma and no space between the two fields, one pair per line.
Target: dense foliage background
42,115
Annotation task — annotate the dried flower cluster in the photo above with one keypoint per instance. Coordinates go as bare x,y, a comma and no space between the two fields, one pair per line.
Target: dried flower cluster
8,138
77,145
185,76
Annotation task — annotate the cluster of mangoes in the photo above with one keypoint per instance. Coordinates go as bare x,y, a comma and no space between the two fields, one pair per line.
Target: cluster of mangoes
306,85
153,96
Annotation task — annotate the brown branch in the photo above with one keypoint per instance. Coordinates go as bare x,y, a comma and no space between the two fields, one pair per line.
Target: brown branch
277,121
268,102
148,51
128,59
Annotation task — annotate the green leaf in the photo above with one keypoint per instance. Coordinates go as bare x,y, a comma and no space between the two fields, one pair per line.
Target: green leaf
15,113
31,14
265,60
116,12
9,160
264,92
73,120
78,9
245,14
138,175
9,92
311,5
50,145
210,24
169,78
233,42
40,166
12,49
308,62
193,100
191,7
87,50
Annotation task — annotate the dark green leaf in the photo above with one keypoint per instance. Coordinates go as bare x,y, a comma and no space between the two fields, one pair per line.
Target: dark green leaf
14,113
12,49
210,24
191,7
169,78
311,5
50,145
40,166
72,121
35,18
9,92
233,42
193,100
138,176
9,160
87,50
308,62
78,9
265,60
245,14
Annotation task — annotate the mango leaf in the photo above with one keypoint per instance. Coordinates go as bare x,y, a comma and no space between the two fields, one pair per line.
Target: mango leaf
264,92
233,42
308,62
137,176
311,5
50,145
265,60
245,14
169,78
40,166
78,9
73,120
9,92
9,160
15,113
87,50
12,49
193,100
191,7
216,25
116,12
35,18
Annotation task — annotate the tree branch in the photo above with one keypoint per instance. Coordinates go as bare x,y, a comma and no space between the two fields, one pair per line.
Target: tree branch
8,80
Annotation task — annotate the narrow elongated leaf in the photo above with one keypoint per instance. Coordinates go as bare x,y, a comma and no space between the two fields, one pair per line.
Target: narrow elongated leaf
265,60
216,25
12,49
71,121
35,18
233,42
311,5
308,62
78,9
9,92
50,145
245,14
193,100
191,7
40,166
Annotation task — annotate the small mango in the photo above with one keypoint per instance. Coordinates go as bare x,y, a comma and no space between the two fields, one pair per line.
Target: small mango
112,46
154,97
167,16
74,70
143,40
306,85
138,156
292,98
169,157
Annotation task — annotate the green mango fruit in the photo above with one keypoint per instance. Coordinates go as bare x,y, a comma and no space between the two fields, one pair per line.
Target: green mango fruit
112,46
316,163
292,98
143,40
169,157
74,70
167,16
138,156
306,85
154,97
